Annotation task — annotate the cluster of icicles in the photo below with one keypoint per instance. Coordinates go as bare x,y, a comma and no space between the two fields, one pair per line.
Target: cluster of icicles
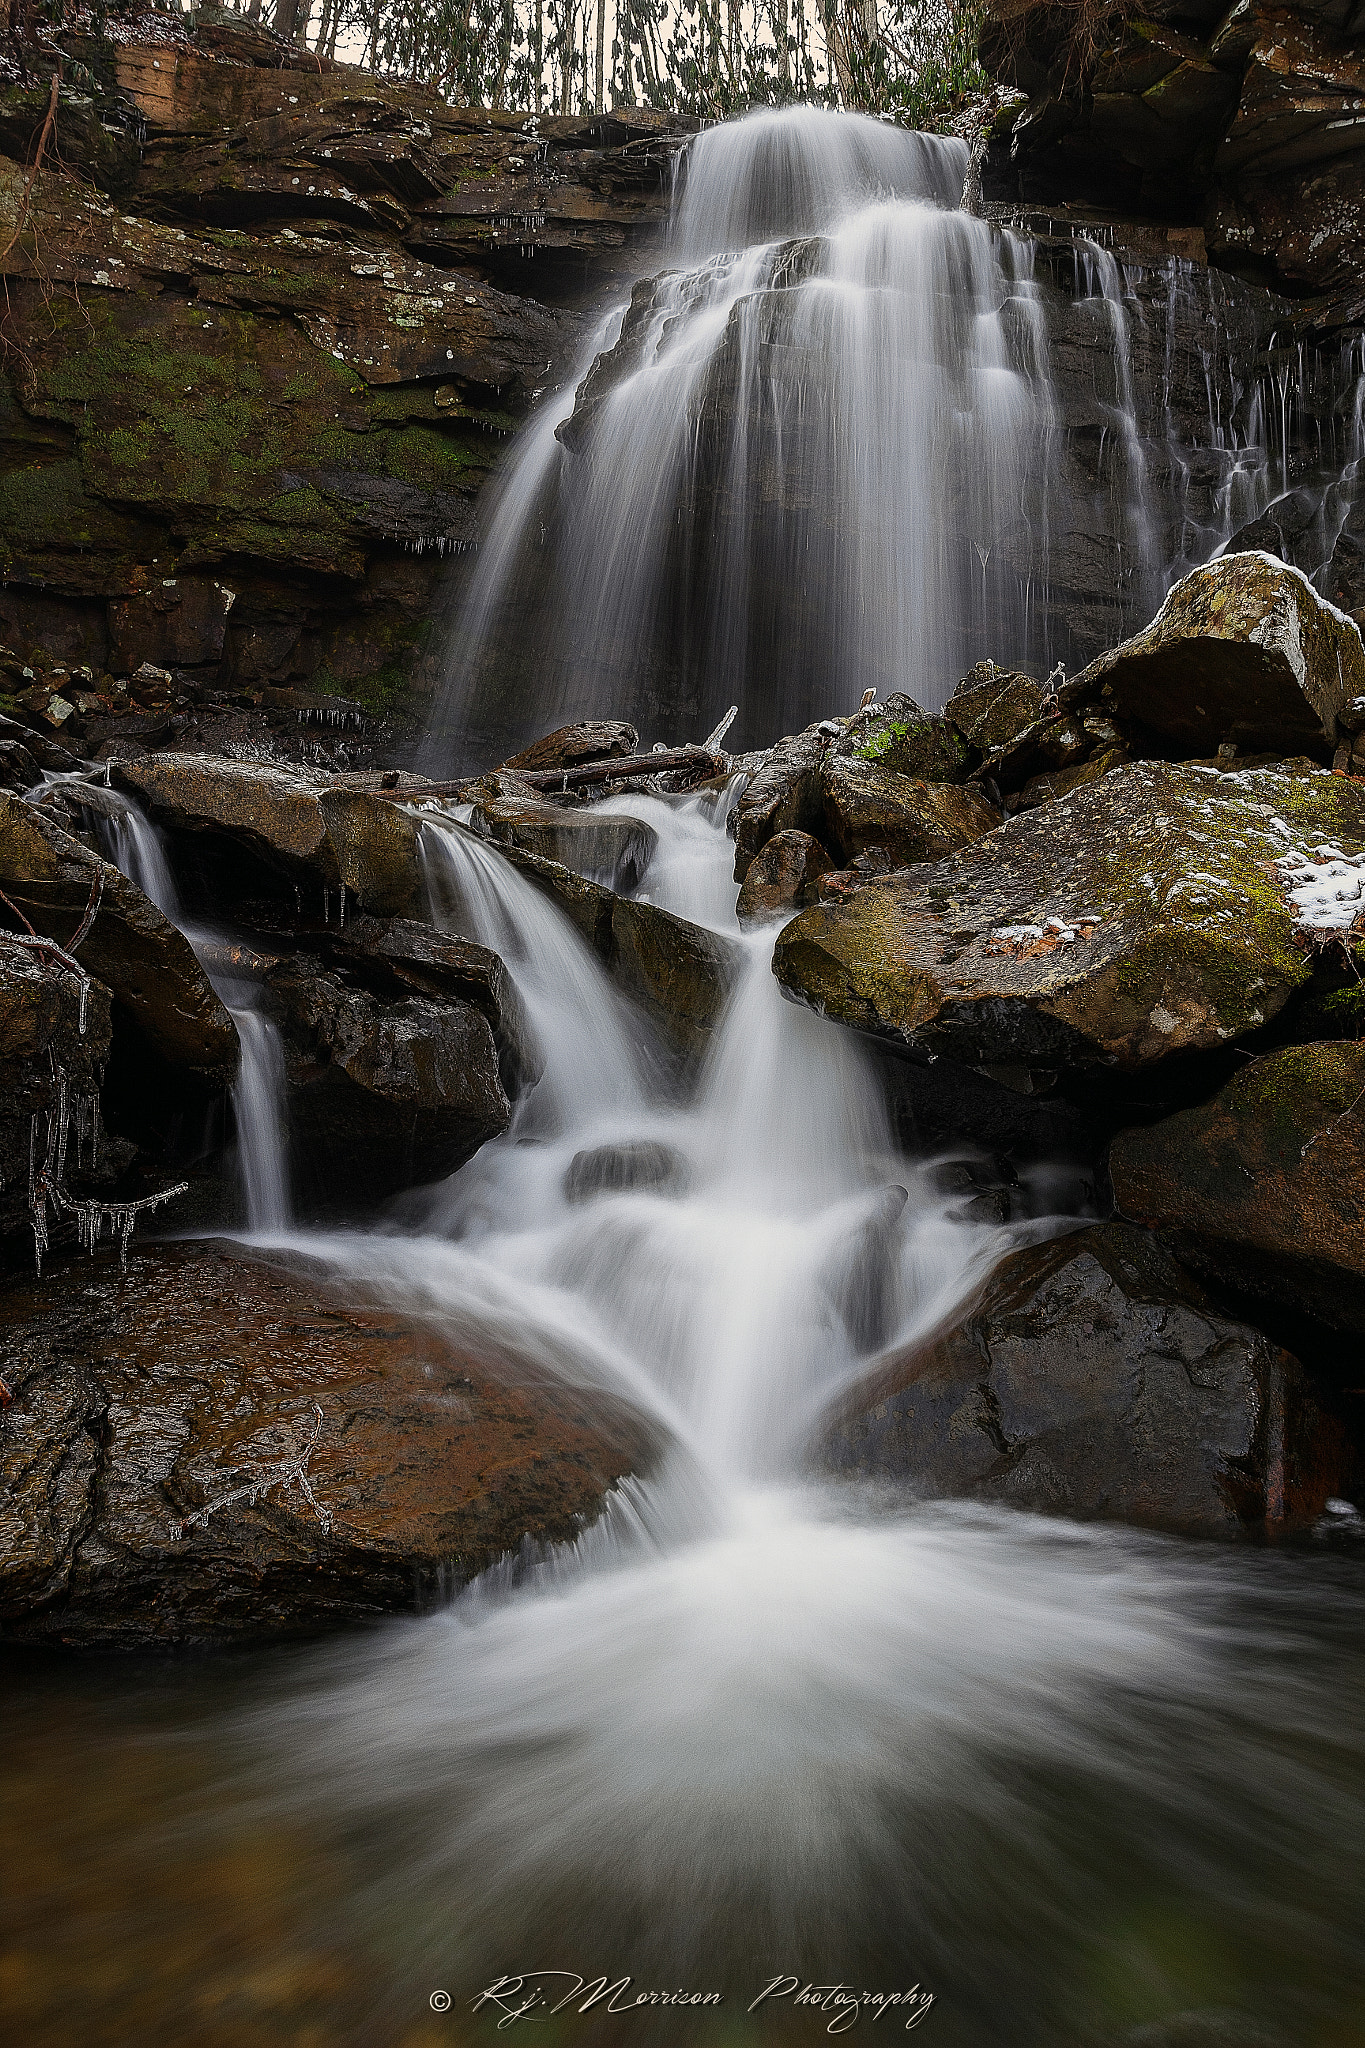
47,1171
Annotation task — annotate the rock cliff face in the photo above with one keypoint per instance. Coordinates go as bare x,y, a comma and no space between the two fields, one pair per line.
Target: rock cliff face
267,330
1242,122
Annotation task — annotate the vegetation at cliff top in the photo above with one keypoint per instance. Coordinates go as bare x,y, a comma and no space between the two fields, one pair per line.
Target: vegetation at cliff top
911,61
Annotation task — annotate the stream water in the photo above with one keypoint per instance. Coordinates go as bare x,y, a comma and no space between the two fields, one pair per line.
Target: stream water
1085,1788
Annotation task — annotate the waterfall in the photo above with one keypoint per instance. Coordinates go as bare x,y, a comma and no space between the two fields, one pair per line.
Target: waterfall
752,1721
792,468
135,845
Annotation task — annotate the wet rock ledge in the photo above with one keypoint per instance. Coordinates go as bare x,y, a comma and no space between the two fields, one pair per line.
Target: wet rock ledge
210,1450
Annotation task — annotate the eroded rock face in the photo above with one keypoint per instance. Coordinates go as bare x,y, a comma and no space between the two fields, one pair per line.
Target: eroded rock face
137,953
1092,1378
302,824
1264,1187
212,1450
1243,649
1237,119
275,342
1291,193
1140,916
867,804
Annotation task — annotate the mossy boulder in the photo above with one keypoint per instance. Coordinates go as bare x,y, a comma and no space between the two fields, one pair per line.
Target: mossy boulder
1244,650
1263,1188
868,804
899,736
1140,916
305,825
139,955
1091,1377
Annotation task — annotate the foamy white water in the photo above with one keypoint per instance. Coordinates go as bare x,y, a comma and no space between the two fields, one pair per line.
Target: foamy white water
135,845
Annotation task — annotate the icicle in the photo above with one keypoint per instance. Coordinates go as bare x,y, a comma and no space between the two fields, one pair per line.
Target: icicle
342,919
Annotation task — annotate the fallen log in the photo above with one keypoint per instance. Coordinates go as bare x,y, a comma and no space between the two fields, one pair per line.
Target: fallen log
627,768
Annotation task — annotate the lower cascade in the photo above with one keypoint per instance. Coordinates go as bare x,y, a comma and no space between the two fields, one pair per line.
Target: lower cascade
751,1341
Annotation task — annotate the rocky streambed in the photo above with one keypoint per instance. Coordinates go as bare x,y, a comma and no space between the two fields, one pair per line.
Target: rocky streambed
1097,931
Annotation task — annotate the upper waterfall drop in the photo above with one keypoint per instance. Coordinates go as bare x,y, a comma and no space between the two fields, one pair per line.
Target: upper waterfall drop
790,171
842,442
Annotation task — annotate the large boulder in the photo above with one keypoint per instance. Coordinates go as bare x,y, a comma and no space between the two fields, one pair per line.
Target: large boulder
304,825
1145,914
140,956
1159,910
210,1450
1243,650
381,1093
992,705
867,804
599,844
1091,1377
1264,1187
784,792
781,878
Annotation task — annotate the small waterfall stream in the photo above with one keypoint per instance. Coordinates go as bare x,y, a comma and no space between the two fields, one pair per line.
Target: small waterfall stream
135,845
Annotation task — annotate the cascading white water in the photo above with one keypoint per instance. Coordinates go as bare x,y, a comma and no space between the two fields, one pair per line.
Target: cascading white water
742,1291
258,1095
803,467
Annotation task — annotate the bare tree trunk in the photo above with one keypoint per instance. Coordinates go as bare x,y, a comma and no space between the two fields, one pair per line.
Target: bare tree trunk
598,100
836,50
624,24
784,59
